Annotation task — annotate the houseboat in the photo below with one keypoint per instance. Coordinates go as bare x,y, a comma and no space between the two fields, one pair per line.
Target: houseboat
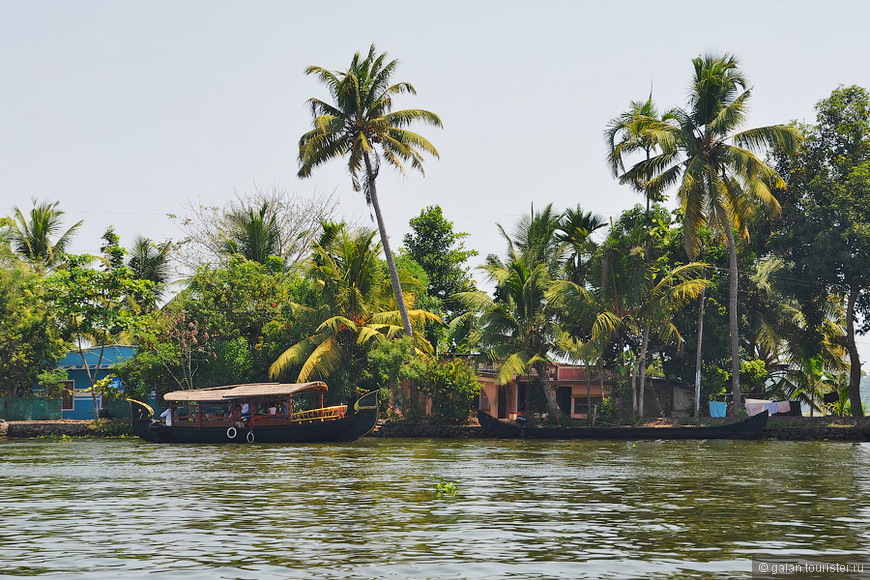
261,412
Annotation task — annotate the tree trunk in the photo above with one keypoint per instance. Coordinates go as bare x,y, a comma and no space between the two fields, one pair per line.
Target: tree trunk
634,396
388,254
552,406
732,320
854,358
698,360
588,389
643,349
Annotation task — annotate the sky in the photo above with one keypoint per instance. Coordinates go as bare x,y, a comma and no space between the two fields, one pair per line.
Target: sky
123,111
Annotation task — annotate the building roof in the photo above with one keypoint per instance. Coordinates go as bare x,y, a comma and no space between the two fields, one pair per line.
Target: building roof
112,353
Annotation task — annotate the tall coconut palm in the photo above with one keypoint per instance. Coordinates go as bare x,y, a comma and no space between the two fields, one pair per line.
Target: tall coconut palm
575,230
628,134
719,175
360,124
354,308
31,235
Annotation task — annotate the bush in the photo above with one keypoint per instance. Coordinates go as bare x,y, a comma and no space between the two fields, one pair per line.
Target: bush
452,387
111,428
608,412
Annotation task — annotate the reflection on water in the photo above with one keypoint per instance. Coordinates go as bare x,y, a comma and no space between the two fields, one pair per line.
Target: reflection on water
369,509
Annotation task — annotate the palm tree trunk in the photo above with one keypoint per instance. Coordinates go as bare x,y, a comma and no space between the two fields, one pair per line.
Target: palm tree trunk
698,357
854,358
388,253
552,406
588,389
634,397
643,349
732,320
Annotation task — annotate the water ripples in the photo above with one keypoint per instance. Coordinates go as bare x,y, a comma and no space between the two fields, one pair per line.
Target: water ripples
576,509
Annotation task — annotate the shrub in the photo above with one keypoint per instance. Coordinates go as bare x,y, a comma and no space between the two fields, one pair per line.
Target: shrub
452,387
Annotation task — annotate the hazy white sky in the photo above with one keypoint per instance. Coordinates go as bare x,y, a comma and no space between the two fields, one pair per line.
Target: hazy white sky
122,110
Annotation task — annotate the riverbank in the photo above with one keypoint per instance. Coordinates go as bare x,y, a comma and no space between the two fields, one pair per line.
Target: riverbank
778,428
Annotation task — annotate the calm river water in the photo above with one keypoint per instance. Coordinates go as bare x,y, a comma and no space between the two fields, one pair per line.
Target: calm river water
576,509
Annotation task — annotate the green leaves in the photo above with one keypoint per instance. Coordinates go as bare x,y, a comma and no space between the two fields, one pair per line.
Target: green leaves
360,119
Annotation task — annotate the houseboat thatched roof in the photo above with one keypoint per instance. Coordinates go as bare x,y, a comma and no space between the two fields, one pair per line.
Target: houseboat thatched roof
250,391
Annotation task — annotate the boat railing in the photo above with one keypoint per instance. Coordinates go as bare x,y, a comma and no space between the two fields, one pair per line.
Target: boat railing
322,414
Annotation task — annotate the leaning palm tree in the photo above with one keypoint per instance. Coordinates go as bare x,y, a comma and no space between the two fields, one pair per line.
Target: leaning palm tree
360,124
719,174
31,236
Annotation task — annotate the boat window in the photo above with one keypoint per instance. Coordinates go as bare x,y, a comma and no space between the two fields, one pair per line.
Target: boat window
305,401
215,410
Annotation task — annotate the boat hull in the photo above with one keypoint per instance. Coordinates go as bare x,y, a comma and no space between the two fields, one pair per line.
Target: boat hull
348,428
750,428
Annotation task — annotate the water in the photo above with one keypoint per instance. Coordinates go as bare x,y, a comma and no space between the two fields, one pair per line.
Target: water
574,509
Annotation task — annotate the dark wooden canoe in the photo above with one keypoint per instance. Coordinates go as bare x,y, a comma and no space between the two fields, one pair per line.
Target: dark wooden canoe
749,429
347,428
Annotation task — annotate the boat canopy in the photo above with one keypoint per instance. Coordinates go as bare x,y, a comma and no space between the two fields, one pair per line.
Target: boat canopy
250,391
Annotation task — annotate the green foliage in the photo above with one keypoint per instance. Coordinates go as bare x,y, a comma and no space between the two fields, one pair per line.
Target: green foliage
720,178
225,327
444,488
360,118
96,305
753,374
30,343
360,124
441,252
143,372
113,428
32,234
351,311
608,411
392,363
452,387
232,363
150,261
52,382
824,233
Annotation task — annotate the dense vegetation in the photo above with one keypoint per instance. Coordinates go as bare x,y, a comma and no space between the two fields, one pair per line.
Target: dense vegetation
755,283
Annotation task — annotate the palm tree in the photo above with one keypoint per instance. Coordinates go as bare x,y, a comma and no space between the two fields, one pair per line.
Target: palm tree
635,300
251,233
354,307
358,124
516,329
575,230
150,261
719,174
627,134
32,237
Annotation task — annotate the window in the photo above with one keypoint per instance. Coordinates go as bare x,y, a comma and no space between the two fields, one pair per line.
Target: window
580,407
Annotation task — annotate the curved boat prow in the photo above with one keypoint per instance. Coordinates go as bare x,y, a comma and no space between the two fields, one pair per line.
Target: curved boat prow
140,411
365,417
752,427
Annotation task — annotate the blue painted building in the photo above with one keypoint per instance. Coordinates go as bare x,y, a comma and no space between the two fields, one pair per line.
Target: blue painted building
77,399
